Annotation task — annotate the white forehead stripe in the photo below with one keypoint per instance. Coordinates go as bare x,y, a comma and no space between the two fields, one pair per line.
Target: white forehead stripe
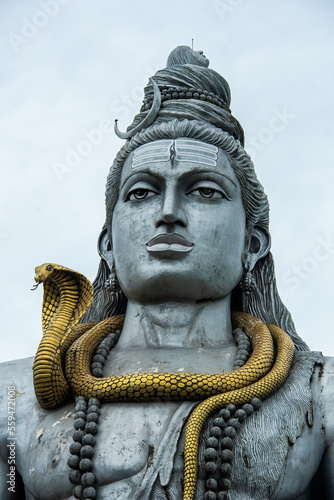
152,152
189,150
196,152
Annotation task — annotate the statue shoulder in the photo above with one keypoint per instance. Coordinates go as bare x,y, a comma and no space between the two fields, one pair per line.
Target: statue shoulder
323,398
326,375
328,370
17,371
16,385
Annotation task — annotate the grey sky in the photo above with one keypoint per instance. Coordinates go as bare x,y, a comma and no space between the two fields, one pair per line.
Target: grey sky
70,67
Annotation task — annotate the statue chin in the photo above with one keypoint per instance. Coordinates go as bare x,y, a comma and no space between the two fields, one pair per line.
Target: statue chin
171,287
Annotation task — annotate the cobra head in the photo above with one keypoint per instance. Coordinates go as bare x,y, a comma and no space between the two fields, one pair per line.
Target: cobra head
42,274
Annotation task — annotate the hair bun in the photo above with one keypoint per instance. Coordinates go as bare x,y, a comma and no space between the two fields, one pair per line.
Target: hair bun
185,55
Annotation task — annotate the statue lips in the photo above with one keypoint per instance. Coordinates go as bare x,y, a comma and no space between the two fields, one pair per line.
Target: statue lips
169,242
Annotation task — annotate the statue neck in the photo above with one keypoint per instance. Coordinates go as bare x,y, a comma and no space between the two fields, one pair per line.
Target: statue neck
175,325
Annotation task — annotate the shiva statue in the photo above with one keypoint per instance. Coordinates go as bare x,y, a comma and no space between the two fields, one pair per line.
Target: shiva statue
178,374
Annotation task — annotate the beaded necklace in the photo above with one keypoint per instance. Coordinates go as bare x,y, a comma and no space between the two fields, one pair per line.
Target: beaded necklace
219,439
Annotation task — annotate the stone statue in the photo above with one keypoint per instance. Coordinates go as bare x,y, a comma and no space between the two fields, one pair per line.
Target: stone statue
185,243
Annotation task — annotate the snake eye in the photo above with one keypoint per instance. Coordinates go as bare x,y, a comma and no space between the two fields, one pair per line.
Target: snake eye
48,268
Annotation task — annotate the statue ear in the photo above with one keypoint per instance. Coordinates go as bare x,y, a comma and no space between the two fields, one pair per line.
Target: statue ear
104,248
259,246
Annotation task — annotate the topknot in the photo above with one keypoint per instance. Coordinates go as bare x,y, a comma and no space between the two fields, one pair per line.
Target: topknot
185,55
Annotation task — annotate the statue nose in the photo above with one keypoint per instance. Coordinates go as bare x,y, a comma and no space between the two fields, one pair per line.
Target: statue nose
171,211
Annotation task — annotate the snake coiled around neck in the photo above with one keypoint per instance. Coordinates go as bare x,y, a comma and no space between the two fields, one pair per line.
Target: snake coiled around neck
68,295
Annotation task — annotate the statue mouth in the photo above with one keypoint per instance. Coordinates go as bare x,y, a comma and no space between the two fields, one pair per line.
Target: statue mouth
169,242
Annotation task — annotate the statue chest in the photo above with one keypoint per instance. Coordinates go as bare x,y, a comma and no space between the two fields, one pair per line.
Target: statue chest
272,458
128,437
137,444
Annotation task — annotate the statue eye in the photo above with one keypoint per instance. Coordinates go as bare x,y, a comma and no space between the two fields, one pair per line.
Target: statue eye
206,192
48,268
139,194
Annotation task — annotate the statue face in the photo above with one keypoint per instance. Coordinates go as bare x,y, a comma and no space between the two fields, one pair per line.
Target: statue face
178,226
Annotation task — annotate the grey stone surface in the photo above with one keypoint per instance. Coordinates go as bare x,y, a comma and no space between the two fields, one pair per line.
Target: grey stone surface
132,434
186,217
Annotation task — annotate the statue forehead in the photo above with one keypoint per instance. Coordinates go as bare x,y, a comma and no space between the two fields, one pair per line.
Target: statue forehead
192,154
180,149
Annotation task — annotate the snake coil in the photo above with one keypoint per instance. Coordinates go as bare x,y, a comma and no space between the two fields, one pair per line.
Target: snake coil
67,296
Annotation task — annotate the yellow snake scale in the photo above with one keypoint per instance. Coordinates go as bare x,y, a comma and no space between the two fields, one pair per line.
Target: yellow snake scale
68,294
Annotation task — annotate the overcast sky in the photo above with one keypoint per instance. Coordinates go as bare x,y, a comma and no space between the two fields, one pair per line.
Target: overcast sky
70,67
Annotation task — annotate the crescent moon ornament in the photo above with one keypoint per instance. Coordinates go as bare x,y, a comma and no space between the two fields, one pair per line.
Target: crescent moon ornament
149,118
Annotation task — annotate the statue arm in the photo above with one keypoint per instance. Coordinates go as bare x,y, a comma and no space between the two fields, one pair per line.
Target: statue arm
5,494
8,490
327,472
327,464
15,380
